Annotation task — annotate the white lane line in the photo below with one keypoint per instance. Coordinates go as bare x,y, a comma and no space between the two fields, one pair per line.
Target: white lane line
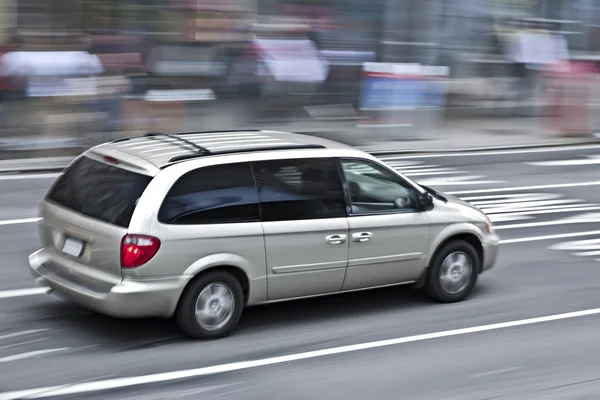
456,181
429,173
117,383
31,354
580,219
7,294
496,372
23,343
27,176
22,333
423,170
491,152
553,211
19,221
545,223
564,163
508,217
549,237
516,189
588,253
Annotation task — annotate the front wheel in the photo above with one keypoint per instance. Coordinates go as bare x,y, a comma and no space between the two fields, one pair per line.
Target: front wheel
211,306
453,272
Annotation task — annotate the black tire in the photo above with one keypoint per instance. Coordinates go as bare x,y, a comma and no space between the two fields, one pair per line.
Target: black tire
434,287
186,310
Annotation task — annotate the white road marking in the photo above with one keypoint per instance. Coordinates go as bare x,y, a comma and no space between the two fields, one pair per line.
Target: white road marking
524,206
510,198
423,170
578,219
492,152
428,173
549,237
590,244
31,354
19,221
496,372
6,294
507,217
551,211
22,333
456,181
27,176
588,253
400,164
116,383
22,343
536,187
591,160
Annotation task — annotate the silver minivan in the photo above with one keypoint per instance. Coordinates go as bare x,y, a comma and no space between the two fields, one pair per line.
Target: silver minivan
198,226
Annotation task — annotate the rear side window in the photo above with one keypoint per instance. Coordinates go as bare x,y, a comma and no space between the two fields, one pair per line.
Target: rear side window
299,189
212,195
100,191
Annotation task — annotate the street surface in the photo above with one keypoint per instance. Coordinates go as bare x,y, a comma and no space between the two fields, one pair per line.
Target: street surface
530,329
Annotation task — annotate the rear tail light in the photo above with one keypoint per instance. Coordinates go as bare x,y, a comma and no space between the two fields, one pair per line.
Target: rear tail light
137,250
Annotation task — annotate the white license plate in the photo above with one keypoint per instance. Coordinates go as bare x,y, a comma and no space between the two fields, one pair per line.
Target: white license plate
73,247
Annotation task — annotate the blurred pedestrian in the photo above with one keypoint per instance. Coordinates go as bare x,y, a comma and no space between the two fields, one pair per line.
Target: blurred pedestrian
14,85
533,49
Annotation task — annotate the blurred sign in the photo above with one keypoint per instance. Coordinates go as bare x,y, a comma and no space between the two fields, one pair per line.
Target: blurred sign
388,86
292,60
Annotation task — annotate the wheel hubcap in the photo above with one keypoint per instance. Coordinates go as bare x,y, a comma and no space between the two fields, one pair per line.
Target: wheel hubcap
455,272
215,306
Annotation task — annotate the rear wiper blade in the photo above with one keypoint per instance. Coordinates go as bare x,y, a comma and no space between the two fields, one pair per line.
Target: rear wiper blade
435,193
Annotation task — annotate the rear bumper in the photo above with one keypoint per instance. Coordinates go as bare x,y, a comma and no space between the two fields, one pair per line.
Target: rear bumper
490,251
107,294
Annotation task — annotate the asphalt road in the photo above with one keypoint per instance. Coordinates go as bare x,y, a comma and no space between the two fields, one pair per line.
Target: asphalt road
392,343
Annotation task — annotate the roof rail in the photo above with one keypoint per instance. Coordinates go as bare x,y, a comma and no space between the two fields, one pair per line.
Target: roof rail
124,139
200,151
246,150
220,131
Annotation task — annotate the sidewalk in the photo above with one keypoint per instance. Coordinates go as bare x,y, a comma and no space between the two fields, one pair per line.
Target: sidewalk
19,154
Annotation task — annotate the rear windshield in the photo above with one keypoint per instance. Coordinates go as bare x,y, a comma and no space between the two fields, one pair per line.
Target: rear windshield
99,190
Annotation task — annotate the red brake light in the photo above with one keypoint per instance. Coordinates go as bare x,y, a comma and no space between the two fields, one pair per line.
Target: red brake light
137,250
111,160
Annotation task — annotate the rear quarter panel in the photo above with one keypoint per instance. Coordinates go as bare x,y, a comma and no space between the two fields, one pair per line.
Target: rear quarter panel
187,250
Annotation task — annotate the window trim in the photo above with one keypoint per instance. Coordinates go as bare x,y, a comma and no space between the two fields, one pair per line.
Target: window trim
347,189
249,221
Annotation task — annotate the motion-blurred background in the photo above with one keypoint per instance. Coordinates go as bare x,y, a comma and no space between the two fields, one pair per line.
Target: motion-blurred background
78,72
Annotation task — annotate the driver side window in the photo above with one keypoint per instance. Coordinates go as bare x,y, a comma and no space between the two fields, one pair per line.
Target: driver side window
373,188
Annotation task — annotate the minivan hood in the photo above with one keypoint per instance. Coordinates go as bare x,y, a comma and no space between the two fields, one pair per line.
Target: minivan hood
465,207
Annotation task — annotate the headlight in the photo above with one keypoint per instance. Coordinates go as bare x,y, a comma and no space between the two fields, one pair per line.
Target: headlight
489,227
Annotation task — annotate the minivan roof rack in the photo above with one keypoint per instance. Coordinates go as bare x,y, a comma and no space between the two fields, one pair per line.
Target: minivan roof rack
246,150
124,139
221,131
201,151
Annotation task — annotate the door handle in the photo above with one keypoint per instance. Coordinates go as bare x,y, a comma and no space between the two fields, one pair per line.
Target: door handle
336,239
362,236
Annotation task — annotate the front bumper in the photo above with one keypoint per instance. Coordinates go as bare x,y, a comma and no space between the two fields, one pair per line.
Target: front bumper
491,246
107,294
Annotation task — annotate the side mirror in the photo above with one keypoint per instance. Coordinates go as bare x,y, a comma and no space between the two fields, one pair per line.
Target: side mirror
424,201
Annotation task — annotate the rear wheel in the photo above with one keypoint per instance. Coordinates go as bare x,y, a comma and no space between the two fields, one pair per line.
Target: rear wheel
453,272
211,306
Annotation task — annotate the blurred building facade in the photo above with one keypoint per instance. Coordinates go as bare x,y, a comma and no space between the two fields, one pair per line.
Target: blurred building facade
403,30
196,44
